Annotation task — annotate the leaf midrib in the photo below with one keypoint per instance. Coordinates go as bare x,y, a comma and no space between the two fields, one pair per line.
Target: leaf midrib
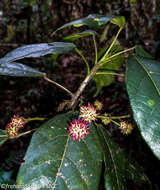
26,55
148,73
32,71
146,70
112,161
34,52
61,164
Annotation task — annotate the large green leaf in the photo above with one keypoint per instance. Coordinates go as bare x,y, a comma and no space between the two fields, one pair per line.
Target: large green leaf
37,50
76,36
114,162
3,137
92,20
118,166
143,86
141,52
105,75
19,70
53,158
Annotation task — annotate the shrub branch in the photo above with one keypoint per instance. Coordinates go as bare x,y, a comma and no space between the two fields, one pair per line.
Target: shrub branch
84,84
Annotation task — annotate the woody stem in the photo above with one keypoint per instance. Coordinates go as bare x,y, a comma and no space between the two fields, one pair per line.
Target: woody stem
84,84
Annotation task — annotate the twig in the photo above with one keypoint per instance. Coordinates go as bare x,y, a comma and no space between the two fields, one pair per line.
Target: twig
3,135
93,72
115,122
110,73
22,134
62,87
84,59
9,44
114,117
107,52
96,51
119,53
35,119
84,84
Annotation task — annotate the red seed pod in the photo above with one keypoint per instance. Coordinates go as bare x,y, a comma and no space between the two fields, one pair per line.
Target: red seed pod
14,126
78,129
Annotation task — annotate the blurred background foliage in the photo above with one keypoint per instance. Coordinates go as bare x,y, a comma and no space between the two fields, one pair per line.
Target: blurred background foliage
34,21
28,21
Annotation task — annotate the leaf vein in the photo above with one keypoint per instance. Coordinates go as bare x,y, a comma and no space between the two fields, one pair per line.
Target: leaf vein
77,169
61,164
112,161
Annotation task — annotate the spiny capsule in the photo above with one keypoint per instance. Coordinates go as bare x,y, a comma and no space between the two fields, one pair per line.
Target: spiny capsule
125,127
88,113
14,126
78,129
98,105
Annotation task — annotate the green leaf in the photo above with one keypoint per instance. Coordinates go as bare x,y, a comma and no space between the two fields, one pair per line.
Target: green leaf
102,80
120,21
118,166
114,162
102,52
92,20
53,158
109,65
134,172
3,137
133,1
113,63
37,50
79,35
19,70
143,86
141,52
